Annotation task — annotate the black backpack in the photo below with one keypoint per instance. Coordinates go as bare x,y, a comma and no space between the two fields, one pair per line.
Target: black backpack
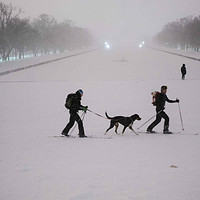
155,97
69,100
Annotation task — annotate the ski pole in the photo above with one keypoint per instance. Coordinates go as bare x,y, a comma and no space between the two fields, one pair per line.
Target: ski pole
181,116
149,119
83,116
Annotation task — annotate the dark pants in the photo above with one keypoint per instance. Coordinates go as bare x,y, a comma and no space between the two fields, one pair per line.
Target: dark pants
74,117
159,116
183,76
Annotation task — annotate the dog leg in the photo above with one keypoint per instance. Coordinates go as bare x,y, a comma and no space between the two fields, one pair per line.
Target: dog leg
112,124
107,131
124,129
116,127
133,130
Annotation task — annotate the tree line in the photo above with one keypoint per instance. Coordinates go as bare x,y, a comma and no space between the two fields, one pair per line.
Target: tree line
183,34
43,35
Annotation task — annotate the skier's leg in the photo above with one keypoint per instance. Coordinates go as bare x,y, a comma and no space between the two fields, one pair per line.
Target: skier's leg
80,125
69,125
166,123
154,123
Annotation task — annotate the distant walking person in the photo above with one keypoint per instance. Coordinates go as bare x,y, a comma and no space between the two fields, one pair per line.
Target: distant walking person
183,71
159,101
73,103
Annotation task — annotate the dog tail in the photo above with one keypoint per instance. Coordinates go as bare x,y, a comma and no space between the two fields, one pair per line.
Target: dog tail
108,116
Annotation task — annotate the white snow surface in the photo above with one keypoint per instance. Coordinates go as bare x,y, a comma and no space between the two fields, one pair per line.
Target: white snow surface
188,53
12,65
34,165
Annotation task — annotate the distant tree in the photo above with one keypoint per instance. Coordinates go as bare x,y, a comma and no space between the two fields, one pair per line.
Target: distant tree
82,37
44,35
65,41
46,25
63,36
8,14
193,32
183,33
22,35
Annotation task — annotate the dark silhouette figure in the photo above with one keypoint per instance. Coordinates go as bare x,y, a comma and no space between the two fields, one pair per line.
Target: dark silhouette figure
183,71
75,106
160,106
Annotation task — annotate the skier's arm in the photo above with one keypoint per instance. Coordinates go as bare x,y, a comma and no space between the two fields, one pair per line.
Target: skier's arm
83,108
77,105
172,101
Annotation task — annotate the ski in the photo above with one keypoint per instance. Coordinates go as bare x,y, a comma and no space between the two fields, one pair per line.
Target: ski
62,136
97,137
148,133
88,137
173,133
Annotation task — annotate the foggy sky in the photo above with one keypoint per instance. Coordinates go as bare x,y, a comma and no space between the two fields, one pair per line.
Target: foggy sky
113,19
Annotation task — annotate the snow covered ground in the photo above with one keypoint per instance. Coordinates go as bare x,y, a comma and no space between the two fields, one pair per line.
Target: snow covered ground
36,165
28,62
184,53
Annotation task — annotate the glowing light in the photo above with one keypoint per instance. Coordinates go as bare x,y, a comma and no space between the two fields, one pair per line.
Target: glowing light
143,42
108,46
140,45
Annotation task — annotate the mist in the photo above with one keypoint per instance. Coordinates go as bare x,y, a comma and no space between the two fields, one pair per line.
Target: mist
113,20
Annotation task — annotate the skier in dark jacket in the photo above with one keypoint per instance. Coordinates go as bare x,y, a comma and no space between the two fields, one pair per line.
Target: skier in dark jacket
73,109
160,100
183,71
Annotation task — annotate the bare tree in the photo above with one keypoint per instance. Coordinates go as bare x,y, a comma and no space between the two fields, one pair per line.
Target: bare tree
22,35
45,24
45,34
183,33
8,14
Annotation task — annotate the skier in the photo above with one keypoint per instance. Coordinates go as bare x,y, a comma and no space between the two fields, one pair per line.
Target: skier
183,71
73,103
159,102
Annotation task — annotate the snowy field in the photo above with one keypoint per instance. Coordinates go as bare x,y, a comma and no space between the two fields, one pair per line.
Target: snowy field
187,53
34,165
11,66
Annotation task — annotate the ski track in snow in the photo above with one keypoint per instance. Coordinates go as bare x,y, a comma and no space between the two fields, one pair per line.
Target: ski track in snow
35,165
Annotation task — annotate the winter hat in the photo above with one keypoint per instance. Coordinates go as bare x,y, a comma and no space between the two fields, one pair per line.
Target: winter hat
80,92
164,87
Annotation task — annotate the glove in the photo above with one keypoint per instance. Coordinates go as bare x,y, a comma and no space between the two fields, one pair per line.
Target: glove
177,100
84,109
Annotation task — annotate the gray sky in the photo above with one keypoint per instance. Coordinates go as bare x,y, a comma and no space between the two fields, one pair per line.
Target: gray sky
113,19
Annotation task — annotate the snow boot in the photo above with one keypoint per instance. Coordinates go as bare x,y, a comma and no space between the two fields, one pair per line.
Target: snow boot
150,131
166,130
65,134
82,136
